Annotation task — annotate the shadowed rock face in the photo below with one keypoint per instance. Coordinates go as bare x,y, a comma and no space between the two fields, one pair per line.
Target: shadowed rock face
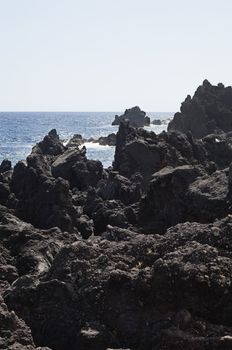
144,152
209,111
182,194
134,116
5,166
134,257
14,334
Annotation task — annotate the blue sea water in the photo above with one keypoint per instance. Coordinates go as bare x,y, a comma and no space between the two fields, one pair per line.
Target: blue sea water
20,131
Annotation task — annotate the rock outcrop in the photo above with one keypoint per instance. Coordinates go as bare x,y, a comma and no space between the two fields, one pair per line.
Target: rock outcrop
183,194
134,116
209,111
144,152
133,257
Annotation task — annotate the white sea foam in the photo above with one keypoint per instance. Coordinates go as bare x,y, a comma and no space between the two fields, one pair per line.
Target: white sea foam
96,145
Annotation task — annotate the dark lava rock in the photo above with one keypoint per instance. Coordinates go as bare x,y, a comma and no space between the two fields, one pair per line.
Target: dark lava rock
14,333
156,122
134,291
5,166
76,141
181,194
106,212
40,198
144,152
137,256
4,192
85,226
134,116
109,140
208,111
73,166
42,185
26,250
120,187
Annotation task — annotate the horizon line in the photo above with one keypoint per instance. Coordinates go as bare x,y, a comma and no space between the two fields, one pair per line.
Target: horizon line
81,111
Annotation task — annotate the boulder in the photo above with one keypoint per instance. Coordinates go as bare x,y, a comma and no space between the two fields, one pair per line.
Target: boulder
134,116
183,194
73,166
156,122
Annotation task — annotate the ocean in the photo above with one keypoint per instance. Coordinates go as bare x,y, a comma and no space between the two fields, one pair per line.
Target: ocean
20,131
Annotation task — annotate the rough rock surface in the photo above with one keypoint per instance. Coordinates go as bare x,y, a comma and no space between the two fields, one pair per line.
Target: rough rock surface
134,116
181,194
14,334
134,257
144,152
128,290
208,111
5,166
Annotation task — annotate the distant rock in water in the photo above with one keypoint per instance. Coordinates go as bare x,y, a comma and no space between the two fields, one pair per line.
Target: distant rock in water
77,140
135,116
109,140
208,111
156,122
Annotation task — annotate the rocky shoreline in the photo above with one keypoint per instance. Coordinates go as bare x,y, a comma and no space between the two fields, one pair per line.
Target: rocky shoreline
137,256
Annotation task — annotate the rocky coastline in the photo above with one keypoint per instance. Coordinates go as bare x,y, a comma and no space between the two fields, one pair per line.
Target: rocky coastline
137,256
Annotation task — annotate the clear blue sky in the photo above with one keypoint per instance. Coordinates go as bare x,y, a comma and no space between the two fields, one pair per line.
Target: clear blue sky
107,55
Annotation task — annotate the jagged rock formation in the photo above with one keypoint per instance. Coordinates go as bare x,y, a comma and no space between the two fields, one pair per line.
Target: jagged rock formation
134,116
134,257
208,111
145,152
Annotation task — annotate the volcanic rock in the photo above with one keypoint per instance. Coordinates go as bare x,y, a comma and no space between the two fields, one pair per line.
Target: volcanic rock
156,122
5,166
109,140
129,290
134,116
144,152
137,256
209,111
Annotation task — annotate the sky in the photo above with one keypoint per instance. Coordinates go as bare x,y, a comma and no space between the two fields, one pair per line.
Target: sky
109,55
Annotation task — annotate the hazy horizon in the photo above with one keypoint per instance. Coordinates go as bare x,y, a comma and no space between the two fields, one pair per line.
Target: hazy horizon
105,55
122,111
